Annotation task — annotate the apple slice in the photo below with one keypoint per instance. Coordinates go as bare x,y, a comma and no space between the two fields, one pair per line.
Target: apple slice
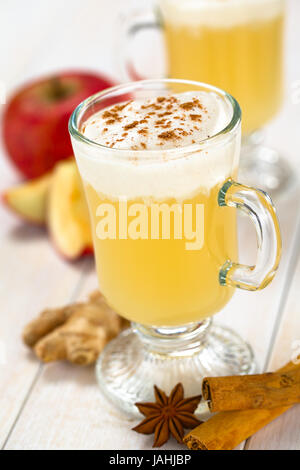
68,217
29,199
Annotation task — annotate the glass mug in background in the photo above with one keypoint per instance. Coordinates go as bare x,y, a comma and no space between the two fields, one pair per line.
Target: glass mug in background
169,287
236,45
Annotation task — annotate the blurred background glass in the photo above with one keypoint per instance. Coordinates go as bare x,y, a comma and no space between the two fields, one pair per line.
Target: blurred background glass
237,46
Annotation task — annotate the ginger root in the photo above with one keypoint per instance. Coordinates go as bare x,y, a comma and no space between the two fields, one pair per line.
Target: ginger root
76,333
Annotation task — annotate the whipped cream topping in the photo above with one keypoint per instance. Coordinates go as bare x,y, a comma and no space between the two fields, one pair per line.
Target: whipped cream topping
219,13
138,157
159,123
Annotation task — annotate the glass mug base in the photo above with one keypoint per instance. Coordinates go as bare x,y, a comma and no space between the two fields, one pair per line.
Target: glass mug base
142,357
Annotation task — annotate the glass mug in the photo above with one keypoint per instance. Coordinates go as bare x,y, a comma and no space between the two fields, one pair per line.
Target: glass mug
236,45
170,286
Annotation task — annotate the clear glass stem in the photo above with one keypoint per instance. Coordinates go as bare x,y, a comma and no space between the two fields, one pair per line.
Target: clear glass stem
173,341
264,167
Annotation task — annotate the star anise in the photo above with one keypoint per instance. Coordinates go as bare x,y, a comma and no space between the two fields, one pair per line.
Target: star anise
168,415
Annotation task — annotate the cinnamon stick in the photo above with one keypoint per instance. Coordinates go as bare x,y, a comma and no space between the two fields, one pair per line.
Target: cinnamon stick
227,429
271,390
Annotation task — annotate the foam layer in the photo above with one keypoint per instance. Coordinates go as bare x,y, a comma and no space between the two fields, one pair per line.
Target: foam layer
159,123
159,162
219,13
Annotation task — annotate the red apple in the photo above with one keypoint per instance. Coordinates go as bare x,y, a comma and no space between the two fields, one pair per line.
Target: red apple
35,121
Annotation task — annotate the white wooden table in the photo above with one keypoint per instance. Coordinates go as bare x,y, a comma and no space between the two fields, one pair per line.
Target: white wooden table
59,406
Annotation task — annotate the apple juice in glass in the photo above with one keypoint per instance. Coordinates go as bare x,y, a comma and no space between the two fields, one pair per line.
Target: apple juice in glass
159,160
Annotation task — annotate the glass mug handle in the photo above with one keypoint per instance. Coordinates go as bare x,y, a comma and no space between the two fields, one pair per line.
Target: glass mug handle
259,207
130,26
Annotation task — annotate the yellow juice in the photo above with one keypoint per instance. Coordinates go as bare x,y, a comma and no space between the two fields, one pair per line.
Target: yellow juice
159,281
245,60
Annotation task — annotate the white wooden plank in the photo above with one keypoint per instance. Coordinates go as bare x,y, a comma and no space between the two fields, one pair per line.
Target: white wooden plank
282,133
87,422
67,411
284,432
32,276
255,315
252,314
